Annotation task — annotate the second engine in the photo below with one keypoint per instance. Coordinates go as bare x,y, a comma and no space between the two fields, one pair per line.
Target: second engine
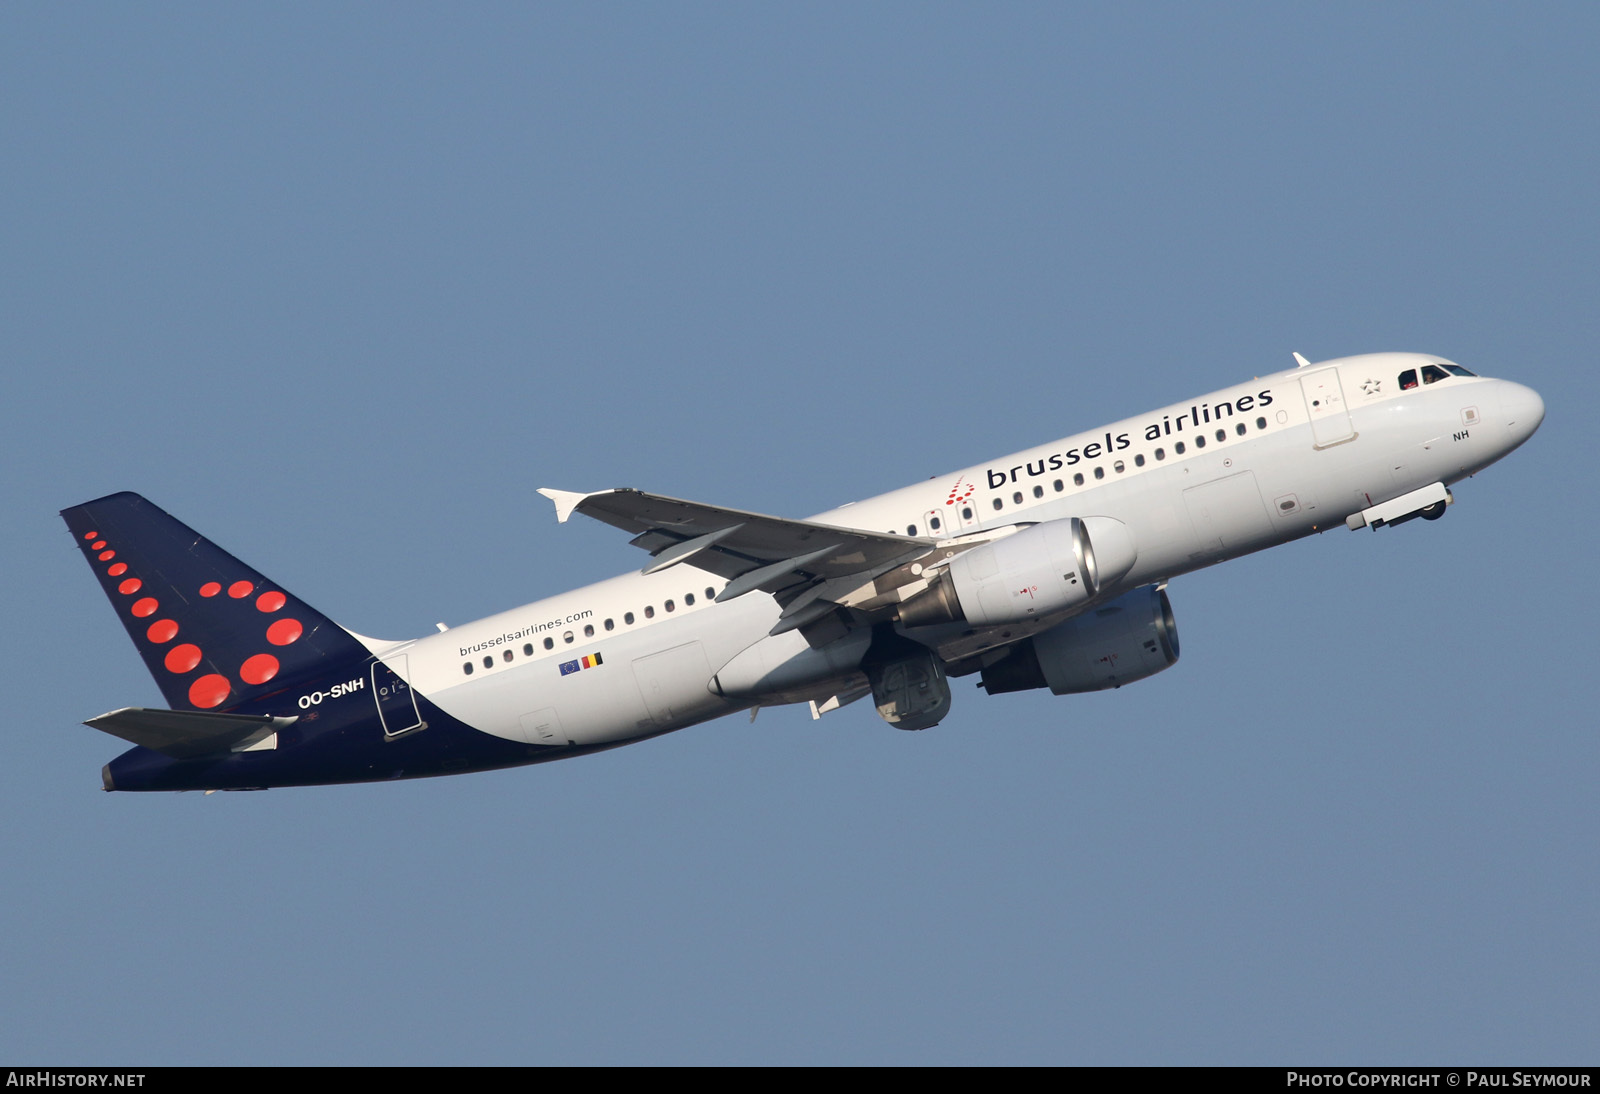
1128,639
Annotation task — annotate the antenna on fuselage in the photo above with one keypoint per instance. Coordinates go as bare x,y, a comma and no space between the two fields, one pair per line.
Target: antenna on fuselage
1301,362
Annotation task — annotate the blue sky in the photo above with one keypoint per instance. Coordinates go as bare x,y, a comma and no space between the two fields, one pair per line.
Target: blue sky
341,285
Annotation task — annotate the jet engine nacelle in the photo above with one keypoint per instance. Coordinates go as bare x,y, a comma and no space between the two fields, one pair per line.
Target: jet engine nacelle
1128,639
1038,571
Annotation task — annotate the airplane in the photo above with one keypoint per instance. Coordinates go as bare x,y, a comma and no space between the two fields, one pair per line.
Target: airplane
1045,569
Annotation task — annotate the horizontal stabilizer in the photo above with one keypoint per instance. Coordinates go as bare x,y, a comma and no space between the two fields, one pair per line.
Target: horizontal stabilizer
185,734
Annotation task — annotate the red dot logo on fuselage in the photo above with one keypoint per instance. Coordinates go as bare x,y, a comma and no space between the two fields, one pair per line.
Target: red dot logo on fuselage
960,492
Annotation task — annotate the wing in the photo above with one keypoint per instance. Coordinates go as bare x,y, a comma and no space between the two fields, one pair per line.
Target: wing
811,568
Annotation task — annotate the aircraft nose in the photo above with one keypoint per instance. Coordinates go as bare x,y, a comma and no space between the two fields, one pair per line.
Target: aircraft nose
1523,410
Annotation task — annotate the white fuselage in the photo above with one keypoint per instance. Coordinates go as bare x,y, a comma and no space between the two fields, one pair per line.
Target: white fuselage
1209,479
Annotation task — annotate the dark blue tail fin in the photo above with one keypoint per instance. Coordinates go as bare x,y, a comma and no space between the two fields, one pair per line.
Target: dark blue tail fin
213,632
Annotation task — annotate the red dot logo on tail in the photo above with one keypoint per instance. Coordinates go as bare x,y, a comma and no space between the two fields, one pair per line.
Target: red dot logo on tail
162,630
259,669
182,659
209,691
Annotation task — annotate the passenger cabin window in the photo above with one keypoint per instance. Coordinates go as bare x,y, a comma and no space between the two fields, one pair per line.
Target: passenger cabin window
506,656
1199,440
626,618
549,643
670,606
611,624
1038,491
688,600
1261,423
588,630
1017,497
467,668
488,662
933,522
711,594
911,529
1119,467
649,611
567,637
1077,478
527,649
1161,453
1138,461
998,503
1239,429
966,512
1059,486
1099,472
1178,448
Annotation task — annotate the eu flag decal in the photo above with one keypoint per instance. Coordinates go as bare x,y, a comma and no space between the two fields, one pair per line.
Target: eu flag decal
588,661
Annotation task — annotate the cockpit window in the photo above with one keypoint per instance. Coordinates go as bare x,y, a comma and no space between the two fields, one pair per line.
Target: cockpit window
1432,374
1457,370
1408,379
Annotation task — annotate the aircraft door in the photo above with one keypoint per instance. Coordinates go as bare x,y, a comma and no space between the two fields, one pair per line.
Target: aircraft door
1329,413
397,702
935,522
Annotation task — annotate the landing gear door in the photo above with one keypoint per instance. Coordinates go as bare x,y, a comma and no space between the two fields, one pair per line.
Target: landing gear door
397,702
